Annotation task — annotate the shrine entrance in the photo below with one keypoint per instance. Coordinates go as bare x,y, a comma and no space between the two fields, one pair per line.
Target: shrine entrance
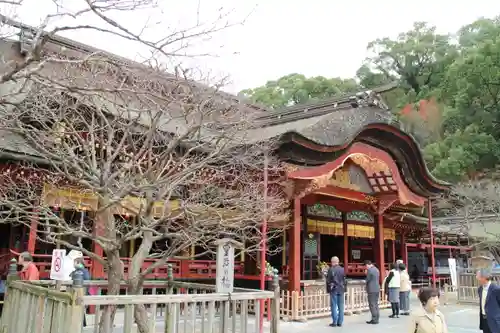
349,208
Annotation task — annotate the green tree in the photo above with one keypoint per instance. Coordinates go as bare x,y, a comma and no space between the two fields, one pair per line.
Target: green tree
417,57
296,88
462,153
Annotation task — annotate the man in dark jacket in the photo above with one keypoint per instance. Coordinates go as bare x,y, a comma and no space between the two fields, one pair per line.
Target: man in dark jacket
373,291
335,285
489,303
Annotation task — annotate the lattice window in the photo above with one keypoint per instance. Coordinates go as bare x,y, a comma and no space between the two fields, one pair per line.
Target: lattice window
311,247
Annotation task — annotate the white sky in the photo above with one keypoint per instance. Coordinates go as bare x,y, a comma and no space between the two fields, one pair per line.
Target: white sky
314,37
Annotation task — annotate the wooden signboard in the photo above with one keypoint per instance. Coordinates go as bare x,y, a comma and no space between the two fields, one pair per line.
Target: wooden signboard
225,265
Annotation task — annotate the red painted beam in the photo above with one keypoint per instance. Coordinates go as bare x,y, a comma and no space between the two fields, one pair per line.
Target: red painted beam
437,246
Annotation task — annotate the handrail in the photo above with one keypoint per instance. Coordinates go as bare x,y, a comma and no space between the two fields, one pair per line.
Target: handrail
175,298
147,284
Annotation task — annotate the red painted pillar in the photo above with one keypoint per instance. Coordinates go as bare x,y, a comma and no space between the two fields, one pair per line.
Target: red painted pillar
33,232
431,233
294,266
379,240
346,242
97,270
393,255
404,249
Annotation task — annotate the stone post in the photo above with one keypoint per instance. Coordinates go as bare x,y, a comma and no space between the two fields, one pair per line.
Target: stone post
275,305
77,311
13,273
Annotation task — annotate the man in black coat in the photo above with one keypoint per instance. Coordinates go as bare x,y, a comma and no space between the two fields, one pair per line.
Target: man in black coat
373,291
489,303
335,285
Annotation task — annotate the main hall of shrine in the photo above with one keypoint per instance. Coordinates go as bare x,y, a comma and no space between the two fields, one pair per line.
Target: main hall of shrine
358,186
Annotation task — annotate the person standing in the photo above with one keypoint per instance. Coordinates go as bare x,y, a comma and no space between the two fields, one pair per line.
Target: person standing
79,265
489,303
373,291
404,290
29,271
428,319
335,286
392,285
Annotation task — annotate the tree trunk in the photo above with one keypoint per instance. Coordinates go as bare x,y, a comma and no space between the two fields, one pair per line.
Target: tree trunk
136,281
115,274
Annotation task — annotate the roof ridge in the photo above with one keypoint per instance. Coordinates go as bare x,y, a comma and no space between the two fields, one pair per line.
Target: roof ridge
85,48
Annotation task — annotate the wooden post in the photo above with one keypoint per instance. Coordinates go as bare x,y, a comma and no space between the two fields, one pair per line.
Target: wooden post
97,267
294,267
275,305
284,250
132,241
393,248
431,236
33,231
404,250
379,237
77,311
169,316
346,242
13,274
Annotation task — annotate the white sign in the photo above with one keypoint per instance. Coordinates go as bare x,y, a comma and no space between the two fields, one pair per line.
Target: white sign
57,269
356,254
225,265
452,262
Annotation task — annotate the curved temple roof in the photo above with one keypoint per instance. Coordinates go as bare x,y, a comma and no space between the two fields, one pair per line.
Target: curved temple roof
318,133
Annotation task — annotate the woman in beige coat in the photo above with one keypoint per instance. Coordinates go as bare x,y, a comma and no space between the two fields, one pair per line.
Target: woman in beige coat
404,290
428,319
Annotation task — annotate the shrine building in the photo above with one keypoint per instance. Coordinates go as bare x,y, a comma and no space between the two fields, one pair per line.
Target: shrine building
358,188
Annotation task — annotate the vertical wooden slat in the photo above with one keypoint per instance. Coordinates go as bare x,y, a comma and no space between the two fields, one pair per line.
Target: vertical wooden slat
152,320
185,315
39,323
211,315
192,309
129,318
202,315
224,324
257,316
233,315
97,318
244,316
47,318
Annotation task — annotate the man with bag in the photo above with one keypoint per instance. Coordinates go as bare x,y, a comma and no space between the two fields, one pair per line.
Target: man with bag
335,286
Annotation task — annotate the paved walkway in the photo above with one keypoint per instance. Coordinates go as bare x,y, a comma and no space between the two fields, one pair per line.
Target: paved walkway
460,319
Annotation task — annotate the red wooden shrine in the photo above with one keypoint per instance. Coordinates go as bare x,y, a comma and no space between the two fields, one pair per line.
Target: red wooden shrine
347,153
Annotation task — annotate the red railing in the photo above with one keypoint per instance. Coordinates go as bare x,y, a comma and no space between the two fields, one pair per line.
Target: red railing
191,269
353,269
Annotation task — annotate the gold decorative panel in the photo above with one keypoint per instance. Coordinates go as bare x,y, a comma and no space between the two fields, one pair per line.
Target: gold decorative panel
370,165
353,230
84,200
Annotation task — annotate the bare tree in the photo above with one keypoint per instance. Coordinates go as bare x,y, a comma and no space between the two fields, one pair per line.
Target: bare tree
473,210
133,141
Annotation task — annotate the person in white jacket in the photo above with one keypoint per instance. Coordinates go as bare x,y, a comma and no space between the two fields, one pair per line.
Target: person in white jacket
392,285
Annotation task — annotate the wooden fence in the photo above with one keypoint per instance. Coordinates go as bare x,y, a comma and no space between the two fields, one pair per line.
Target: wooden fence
184,307
301,306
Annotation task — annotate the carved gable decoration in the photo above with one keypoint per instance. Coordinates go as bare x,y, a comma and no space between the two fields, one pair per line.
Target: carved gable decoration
352,177
324,210
358,215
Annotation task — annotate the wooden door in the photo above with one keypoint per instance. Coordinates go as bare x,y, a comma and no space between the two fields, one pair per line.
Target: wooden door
311,256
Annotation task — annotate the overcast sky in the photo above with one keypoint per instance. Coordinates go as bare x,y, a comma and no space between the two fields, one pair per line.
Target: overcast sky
314,37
